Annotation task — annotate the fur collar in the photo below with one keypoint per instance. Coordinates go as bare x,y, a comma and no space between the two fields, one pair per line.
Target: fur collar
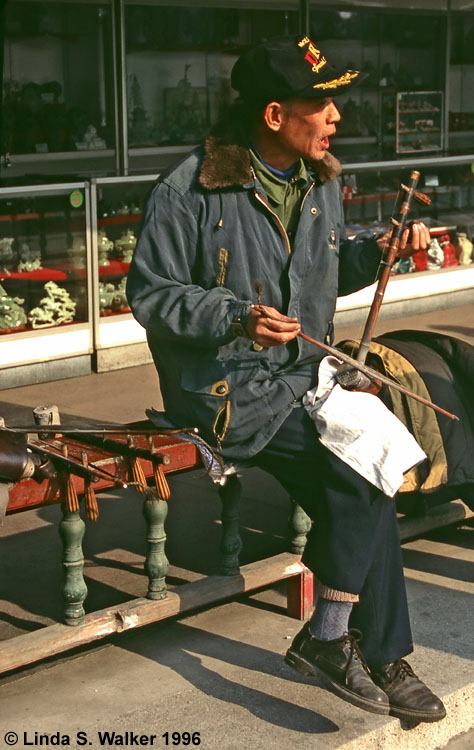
226,163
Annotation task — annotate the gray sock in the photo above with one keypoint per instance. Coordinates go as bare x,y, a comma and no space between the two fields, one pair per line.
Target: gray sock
330,619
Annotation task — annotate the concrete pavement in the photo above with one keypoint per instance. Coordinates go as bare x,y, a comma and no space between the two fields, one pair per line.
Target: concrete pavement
218,673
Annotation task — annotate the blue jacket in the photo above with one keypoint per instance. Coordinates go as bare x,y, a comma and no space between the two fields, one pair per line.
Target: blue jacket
207,236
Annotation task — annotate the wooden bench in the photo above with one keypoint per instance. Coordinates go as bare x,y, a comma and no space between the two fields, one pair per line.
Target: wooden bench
175,456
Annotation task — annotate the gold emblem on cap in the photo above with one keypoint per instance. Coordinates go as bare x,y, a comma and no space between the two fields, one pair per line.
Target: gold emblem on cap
343,80
313,54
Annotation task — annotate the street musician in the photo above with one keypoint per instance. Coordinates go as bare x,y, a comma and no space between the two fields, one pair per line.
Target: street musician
242,248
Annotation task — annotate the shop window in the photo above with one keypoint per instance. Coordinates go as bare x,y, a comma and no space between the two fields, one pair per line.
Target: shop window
179,61
57,77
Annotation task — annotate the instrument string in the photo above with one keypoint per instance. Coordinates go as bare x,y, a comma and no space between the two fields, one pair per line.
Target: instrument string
387,237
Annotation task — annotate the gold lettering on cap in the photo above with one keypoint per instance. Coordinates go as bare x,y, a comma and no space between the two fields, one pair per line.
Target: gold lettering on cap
303,41
343,80
314,56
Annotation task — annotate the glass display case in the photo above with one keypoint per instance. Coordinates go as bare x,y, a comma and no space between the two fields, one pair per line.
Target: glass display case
88,92
45,282
371,192
178,58
116,212
58,88
420,121
384,46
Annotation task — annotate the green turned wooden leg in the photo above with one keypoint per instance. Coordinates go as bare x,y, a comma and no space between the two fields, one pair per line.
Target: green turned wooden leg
231,542
156,566
299,523
71,530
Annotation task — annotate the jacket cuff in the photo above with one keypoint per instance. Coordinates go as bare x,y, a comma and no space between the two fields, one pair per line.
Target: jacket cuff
240,314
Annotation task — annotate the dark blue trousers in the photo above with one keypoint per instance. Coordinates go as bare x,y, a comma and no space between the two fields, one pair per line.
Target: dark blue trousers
354,543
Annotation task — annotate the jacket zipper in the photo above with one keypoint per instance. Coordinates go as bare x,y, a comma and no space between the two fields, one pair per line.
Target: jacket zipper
280,225
262,200
305,196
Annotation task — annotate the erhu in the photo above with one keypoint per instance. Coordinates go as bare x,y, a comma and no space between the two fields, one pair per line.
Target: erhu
354,367
399,225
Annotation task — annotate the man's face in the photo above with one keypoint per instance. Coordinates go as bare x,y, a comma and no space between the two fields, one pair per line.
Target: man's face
307,125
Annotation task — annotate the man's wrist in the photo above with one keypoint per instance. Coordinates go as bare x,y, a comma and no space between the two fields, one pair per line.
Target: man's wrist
239,325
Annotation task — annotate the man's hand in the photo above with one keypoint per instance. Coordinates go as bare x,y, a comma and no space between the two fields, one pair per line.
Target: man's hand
267,327
415,237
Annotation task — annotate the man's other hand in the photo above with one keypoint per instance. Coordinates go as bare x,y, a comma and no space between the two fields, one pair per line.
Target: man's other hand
415,237
267,327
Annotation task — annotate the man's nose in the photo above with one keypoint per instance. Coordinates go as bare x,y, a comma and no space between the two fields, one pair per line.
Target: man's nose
333,113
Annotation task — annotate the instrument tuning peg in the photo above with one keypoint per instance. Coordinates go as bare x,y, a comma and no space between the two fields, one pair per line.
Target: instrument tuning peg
422,198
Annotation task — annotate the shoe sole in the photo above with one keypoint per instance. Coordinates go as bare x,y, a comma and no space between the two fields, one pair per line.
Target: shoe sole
309,670
405,714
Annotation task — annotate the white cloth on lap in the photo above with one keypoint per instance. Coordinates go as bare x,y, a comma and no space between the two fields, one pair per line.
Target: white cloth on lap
360,430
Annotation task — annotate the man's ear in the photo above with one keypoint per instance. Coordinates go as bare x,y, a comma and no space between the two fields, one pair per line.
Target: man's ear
273,116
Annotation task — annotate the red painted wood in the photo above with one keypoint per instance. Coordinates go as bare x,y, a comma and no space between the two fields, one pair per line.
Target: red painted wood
28,493
300,594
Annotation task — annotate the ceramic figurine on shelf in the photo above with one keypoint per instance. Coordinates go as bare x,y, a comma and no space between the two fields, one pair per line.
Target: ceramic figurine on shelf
449,252
139,124
56,308
12,314
464,248
119,300
6,252
123,209
77,252
104,246
405,265
29,260
106,293
135,207
435,255
113,299
91,141
125,245
185,108
420,259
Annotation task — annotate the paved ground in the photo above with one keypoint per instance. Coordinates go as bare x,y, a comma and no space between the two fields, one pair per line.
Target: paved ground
217,671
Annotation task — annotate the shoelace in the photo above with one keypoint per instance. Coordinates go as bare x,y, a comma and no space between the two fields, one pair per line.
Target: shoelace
403,670
354,636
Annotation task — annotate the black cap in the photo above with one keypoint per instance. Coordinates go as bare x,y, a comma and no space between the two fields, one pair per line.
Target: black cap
289,67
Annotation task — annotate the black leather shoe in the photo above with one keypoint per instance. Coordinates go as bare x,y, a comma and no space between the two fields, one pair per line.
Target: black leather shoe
339,666
409,697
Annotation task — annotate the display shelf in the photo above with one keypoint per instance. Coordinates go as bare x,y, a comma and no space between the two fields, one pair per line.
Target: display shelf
419,115
370,197
55,236
115,268
412,287
419,111
32,216
40,274
104,221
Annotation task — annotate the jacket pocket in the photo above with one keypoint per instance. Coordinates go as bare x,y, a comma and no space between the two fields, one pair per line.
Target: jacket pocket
210,393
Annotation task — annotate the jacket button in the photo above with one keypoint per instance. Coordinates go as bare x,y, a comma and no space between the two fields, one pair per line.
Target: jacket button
313,210
221,389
